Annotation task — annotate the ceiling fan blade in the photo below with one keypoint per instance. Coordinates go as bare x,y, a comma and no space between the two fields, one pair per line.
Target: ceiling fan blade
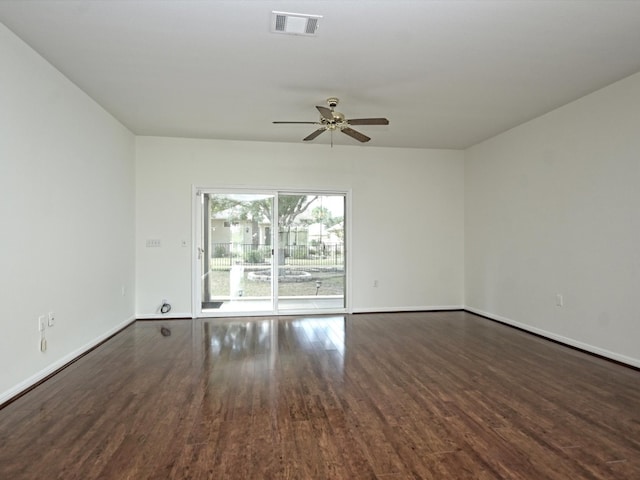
309,123
368,121
314,134
355,134
325,112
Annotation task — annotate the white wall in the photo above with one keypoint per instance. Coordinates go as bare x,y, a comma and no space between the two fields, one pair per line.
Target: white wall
407,215
66,214
553,207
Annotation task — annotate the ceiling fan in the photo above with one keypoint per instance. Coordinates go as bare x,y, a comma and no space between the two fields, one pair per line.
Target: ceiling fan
331,120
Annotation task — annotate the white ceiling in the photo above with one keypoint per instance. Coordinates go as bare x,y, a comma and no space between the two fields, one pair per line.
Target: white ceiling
447,74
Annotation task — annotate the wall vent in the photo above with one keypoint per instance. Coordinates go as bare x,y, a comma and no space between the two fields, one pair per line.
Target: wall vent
294,23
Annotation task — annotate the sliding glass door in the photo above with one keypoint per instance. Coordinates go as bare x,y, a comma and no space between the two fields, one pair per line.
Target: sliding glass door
251,260
311,260
235,252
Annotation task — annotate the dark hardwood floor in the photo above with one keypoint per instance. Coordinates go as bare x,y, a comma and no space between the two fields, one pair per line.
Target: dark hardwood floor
444,395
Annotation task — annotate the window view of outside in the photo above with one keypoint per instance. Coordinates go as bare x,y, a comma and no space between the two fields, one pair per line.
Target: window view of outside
241,256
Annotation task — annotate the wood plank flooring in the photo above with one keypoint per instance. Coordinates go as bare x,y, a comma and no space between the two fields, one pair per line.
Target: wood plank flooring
441,395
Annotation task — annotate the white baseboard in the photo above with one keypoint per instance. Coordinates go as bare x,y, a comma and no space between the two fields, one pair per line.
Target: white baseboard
634,362
161,316
172,315
34,379
407,309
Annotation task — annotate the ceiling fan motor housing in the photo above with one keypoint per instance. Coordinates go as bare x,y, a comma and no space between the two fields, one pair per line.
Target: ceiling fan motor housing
338,117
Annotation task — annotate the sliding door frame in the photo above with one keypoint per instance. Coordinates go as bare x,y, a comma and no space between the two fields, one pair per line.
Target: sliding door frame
196,231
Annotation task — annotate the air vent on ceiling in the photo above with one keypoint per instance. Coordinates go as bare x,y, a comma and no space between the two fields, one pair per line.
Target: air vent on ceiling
294,23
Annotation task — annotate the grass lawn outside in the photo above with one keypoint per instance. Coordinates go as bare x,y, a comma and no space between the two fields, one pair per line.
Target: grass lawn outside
332,283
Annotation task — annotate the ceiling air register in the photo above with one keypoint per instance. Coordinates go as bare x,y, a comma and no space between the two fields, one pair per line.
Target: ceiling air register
294,23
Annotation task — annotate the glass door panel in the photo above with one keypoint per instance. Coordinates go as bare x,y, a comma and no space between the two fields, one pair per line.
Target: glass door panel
236,252
311,254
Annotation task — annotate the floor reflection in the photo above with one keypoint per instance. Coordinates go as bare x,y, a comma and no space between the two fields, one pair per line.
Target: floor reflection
267,342
250,337
327,333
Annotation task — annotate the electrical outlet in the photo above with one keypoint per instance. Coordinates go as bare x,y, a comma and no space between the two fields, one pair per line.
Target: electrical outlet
42,323
375,284
559,300
51,320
